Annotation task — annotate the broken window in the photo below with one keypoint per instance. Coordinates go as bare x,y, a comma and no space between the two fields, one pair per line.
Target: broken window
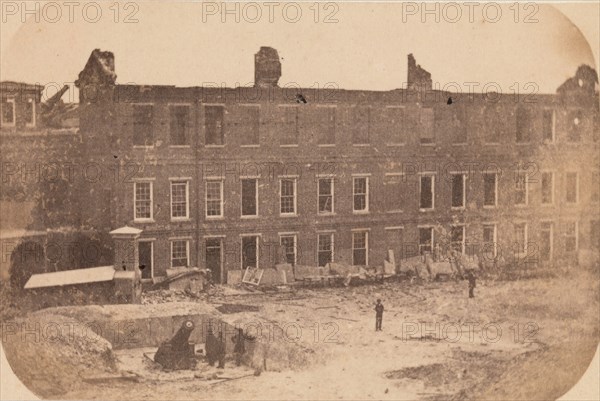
325,195
325,125
325,248
548,125
547,188
361,122
249,197
458,190
360,244
595,196
574,125
393,193
361,194
288,243
520,238
179,253
489,240
490,186
145,258
30,112
213,125
179,117
546,238
143,200
250,251
494,124
289,125
571,237
425,240
426,192
288,196
246,122
8,111
426,132
524,124
571,187
393,125
179,199
521,188
214,198
457,236
143,134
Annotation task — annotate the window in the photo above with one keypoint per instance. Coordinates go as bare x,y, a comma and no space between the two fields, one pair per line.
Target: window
521,188
489,241
548,121
325,194
426,192
490,189
146,259
143,200
571,240
457,125
179,117
250,251
494,124
361,117
574,127
287,191
360,188
457,236
520,238
325,248
458,190
30,112
393,192
325,125
393,123
8,112
249,197
213,125
248,125
546,239
547,188
288,243
179,200
143,134
360,245
214,198
524,124
425,240
595,196
289,125
180,253
571,187
426,127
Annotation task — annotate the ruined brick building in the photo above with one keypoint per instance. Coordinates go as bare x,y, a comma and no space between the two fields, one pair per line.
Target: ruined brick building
226,178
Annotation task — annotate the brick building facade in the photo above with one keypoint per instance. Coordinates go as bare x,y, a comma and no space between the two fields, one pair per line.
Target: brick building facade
226,178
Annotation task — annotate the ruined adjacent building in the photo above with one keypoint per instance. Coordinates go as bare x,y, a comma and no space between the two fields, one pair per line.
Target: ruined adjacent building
226,178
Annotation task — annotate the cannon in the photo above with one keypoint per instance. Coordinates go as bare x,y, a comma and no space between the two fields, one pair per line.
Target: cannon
178,353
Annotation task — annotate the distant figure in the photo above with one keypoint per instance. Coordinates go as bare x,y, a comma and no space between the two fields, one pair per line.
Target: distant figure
221,351
240,348
472,282
378,315
211,347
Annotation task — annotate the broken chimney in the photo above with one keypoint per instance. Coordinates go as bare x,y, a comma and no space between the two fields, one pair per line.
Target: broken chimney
97,78
418,78
267,67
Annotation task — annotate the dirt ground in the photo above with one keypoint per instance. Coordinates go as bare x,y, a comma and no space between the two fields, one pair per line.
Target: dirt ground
527,339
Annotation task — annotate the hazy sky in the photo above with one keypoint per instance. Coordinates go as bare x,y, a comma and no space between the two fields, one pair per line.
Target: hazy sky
366,49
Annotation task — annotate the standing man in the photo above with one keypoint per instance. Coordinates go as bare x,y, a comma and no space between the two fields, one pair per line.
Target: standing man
239,348
221,351
378,315
211,347
471,279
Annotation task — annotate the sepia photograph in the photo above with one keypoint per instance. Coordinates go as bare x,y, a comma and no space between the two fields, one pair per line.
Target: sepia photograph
309,200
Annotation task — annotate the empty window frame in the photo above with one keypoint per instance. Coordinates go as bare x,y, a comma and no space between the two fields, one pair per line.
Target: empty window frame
289,125
425,240
489,240
361,123
360,248
326,195
547,191
249,197
571,187
459,193
250,251
214,125
7,108
426,192
325,248
249,125
288,244
178,124
325,125
490,189
143,127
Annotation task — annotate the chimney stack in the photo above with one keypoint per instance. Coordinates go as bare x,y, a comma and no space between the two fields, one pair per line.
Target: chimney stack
267,67
418,78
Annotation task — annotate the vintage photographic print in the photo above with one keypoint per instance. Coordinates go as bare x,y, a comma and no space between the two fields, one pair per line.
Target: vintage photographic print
299,200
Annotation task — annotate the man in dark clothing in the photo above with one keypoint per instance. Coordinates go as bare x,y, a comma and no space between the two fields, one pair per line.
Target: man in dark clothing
240,348
221,351
211,347
471,279
378,315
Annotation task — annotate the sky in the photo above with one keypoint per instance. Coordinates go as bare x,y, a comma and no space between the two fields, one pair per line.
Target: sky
362,46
